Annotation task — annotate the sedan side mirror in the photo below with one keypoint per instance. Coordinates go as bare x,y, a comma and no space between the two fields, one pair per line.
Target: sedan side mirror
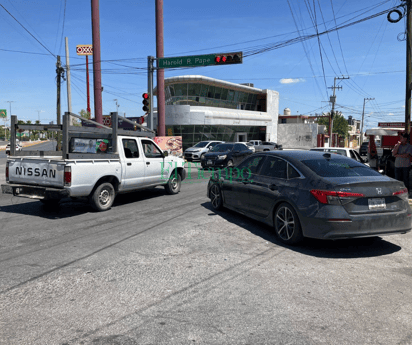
165,153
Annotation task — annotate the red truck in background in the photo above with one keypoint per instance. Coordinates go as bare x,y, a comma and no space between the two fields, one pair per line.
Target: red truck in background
380,155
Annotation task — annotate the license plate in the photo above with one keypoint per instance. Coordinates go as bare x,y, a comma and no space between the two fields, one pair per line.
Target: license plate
209,163
377,204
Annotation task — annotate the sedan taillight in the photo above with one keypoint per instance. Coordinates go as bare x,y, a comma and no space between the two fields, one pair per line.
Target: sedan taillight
403,193
333,197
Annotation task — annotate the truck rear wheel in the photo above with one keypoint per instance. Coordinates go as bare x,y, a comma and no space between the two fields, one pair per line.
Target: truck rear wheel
103,197
174,183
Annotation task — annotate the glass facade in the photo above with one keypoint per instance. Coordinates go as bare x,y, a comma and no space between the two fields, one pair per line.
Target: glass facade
196,94
192,134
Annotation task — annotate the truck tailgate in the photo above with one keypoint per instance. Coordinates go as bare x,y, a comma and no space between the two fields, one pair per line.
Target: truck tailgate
41,172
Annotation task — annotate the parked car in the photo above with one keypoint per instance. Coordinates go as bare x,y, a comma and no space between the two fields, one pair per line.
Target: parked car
226,154
196,152
18,148
313,194
363,150
344,151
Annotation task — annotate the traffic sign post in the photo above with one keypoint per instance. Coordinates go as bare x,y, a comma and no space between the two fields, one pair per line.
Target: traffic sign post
86,49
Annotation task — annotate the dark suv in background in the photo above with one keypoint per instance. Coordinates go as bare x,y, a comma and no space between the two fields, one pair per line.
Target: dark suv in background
225,155
363,150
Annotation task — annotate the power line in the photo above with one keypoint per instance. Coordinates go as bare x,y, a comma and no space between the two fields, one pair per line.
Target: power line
27,31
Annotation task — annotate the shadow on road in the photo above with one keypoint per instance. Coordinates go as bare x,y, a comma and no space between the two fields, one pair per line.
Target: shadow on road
71,208
339,249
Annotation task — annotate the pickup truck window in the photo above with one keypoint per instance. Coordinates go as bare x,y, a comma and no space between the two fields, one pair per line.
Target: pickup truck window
151,150
130,148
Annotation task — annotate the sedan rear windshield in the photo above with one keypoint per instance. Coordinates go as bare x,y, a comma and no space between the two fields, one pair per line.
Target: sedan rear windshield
222,148
339,168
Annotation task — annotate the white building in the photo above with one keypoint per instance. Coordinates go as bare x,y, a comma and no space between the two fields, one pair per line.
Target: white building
202,108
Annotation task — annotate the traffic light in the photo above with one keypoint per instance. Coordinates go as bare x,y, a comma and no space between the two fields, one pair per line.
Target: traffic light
228,58
146,102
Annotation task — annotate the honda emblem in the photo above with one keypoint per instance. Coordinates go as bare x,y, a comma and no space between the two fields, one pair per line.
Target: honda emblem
379,190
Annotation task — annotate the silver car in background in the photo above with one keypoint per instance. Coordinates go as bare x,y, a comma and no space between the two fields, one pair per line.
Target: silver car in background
196,152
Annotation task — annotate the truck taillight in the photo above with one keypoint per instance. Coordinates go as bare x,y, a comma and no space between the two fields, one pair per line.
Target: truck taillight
7,172
67,176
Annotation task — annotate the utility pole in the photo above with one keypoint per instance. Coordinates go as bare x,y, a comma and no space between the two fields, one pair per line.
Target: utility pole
161,130
363,115
69,93
408,67
60,75
97,71
333,101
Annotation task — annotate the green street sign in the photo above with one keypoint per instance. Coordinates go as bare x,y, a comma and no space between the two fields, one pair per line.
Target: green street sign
3,113
200,60
186,61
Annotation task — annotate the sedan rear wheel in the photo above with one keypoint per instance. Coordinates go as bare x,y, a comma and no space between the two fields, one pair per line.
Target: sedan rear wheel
216,197
287,224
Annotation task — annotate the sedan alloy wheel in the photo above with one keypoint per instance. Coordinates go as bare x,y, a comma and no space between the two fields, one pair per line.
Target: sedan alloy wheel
287,224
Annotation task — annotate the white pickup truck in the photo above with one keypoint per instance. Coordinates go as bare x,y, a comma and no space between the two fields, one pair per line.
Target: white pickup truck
98,169
261,146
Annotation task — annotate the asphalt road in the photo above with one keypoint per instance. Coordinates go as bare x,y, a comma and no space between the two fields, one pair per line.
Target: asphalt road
161,269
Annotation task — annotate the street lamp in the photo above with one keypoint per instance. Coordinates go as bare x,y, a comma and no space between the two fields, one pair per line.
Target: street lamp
38,113
117,105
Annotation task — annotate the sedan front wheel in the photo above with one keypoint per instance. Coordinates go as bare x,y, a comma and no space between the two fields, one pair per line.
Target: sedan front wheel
287,224
216,197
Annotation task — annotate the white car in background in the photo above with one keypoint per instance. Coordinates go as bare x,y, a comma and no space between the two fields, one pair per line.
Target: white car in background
18,148
343,151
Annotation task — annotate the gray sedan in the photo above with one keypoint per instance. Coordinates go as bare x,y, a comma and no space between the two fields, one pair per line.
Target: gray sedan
313,194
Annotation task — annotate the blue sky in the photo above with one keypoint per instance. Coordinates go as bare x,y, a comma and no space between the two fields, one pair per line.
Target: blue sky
368,52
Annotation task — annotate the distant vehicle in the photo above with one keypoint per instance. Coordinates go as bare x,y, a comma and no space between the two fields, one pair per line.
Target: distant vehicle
313,194
18,148
225,155
343,151
265,145
363,150
196,152
249,145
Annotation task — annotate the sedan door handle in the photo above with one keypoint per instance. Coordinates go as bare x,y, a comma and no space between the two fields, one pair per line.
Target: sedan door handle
273,187
129,163
147,163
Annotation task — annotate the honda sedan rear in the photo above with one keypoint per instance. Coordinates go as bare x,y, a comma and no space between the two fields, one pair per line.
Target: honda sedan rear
313,194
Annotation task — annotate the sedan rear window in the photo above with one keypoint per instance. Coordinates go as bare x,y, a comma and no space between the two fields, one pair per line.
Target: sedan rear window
339,168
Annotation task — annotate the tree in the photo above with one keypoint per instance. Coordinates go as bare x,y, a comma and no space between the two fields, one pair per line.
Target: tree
20,122
28,122
340,124
37,122
82,113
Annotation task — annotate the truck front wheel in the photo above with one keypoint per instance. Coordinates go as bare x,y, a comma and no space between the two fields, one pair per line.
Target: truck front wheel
173,185
103,197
